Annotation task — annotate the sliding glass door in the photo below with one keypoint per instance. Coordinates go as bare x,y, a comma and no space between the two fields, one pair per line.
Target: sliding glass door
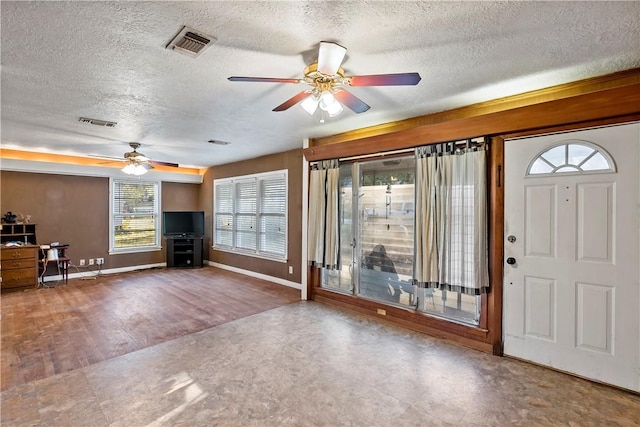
376,231
385,231
377,241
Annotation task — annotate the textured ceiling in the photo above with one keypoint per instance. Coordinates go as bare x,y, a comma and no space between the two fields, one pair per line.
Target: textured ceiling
107,60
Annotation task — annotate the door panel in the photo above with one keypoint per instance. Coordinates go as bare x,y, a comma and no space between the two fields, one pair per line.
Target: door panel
596,210
341,279
540,231
572,294
540,307
594,319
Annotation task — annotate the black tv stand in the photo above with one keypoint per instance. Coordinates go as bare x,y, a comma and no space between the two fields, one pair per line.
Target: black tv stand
184,251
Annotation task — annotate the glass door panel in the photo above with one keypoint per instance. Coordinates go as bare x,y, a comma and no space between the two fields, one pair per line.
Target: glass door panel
385,232
342,278
452,305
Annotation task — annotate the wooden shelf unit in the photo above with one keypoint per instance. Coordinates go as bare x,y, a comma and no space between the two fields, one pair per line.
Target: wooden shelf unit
23,233
184,252
18,263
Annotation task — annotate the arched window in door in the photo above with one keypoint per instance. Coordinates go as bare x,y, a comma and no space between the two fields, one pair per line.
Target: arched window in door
571,157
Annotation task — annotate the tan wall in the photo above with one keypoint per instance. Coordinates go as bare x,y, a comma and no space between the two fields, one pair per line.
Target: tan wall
75,210
179,197
290,160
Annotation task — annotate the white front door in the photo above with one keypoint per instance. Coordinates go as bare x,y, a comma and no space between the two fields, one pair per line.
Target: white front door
572,233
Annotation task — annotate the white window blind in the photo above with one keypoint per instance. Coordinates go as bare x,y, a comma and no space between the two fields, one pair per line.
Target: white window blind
251,214
272,215
246,202
223,233
134,216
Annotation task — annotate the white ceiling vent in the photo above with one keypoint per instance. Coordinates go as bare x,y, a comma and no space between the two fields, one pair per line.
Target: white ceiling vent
218,142
191,42
98,122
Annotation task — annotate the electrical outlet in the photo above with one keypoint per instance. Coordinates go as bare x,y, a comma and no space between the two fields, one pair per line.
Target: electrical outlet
82,263
291,269
90,261
99,261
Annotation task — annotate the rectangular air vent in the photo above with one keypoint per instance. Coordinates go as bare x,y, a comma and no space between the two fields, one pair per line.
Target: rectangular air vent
98,122
190,42
218,142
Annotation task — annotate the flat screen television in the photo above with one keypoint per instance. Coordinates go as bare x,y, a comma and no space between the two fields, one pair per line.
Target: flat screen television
183,223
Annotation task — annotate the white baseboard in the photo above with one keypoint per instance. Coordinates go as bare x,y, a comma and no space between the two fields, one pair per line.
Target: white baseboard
256,275
94,273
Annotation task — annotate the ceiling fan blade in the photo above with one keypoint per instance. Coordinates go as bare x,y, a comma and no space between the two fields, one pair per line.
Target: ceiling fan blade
350,100
330,57
292,101
97,156
262,79
110,162
155,162
402,79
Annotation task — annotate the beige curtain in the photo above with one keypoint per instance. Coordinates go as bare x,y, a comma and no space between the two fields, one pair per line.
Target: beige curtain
426,253
323,229
451,220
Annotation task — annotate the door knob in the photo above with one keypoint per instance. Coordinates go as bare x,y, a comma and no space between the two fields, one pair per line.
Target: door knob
511,260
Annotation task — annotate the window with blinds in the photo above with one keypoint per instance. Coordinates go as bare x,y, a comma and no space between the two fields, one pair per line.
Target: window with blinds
250,214
134,216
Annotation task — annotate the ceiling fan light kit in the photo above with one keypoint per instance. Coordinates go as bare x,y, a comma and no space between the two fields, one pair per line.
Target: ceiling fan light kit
310,104
134,169
327,81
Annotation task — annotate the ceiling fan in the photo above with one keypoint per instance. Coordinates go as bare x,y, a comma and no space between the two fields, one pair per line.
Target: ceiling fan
136,162
327,84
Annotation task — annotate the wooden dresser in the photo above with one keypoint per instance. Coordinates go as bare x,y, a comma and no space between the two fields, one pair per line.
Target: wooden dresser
19,266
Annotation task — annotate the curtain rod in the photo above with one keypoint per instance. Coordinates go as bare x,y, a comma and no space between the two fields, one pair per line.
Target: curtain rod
370,156
383,154
483,140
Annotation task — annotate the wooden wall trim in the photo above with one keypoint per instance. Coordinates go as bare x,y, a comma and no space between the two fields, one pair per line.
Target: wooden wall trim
399,313
618,102
575,126
6,153
552,93
496,243
461,334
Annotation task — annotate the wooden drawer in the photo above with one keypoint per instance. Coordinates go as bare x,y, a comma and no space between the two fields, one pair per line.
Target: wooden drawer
18,253
19,278
19,267
13,264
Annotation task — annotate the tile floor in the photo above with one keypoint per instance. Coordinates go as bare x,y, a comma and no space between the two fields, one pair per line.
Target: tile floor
307,364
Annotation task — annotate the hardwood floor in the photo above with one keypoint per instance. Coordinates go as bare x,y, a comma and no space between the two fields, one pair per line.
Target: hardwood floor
50,331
